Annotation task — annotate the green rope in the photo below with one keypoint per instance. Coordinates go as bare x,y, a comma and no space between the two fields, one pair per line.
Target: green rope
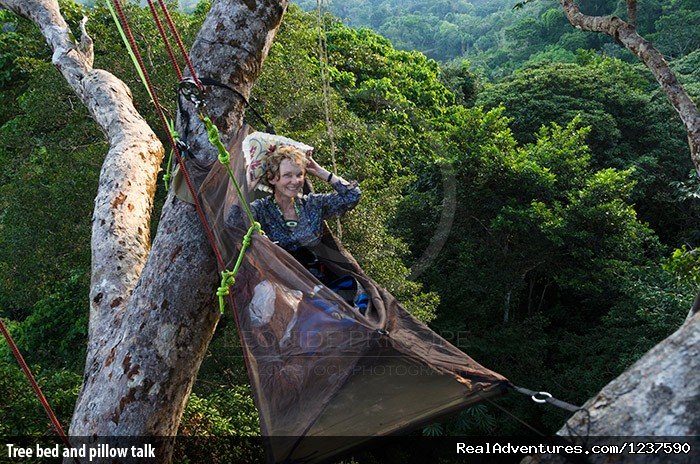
169,166
225,158
128,48
228,278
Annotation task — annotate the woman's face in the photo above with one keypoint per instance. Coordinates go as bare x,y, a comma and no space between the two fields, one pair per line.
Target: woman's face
290,180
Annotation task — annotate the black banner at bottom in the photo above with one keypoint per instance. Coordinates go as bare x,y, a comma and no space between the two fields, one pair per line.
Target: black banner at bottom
374,450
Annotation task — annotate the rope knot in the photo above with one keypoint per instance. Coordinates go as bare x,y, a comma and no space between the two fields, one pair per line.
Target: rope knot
215,139
222,291
224,158
228,278
212,130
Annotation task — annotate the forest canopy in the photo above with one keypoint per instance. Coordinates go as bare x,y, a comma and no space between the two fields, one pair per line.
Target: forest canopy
554,167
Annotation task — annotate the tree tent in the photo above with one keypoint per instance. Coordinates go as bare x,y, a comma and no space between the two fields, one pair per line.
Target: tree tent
319,366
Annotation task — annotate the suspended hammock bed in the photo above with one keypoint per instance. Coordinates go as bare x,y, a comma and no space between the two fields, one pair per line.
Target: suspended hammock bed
320,367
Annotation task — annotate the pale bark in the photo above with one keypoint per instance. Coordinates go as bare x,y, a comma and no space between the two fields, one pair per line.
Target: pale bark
626,34
657,397
152,310
139,384
124,200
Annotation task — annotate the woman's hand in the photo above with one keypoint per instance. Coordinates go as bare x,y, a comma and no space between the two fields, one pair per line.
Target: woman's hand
315,169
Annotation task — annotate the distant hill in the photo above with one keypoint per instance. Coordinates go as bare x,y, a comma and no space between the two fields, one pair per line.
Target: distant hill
498,39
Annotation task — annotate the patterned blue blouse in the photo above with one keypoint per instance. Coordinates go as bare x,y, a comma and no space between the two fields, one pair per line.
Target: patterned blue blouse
313,210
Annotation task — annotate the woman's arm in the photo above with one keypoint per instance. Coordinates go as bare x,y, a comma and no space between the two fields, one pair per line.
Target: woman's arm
334,204
322,173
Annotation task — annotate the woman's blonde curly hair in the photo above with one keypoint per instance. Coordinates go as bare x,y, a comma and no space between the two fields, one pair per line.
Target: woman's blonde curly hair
275,158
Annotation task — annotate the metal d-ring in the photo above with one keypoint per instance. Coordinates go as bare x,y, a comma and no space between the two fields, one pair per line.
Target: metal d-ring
541,397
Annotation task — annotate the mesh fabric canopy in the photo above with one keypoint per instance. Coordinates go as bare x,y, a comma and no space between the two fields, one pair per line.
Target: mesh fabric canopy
318,366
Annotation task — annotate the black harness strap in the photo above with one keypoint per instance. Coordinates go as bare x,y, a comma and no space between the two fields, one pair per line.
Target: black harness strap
269,128
544,397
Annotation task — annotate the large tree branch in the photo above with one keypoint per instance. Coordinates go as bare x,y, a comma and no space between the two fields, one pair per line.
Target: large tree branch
150,324
124,200
139,382
656,397
626,34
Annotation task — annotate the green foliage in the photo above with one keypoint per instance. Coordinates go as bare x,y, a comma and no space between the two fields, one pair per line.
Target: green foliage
459,78
499,35
678,28
548,248
55,333
561,180
476,420
684,264
20,411
229,412
208,424
432,430
631,127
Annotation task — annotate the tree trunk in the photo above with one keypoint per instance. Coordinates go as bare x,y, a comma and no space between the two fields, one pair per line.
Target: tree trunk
152,311
658,396
626,35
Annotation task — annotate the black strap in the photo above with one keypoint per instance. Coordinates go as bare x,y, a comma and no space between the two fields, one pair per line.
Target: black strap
213,82
543,397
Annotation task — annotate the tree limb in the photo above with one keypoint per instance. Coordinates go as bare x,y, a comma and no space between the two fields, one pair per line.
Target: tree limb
152,312
124,200
626,34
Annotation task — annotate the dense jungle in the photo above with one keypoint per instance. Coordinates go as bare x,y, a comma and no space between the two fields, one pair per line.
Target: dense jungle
545,163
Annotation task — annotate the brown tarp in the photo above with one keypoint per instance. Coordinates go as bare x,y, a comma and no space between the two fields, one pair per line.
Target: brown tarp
318,367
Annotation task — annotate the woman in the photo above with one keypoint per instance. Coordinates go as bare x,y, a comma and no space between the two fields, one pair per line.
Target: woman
293,221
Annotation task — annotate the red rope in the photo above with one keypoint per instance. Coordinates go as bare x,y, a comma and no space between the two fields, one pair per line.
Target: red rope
190,187
165,40
161,115
28,373
178,39
222,266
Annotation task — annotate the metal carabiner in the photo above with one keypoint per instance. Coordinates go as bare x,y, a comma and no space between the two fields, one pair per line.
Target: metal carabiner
191,91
